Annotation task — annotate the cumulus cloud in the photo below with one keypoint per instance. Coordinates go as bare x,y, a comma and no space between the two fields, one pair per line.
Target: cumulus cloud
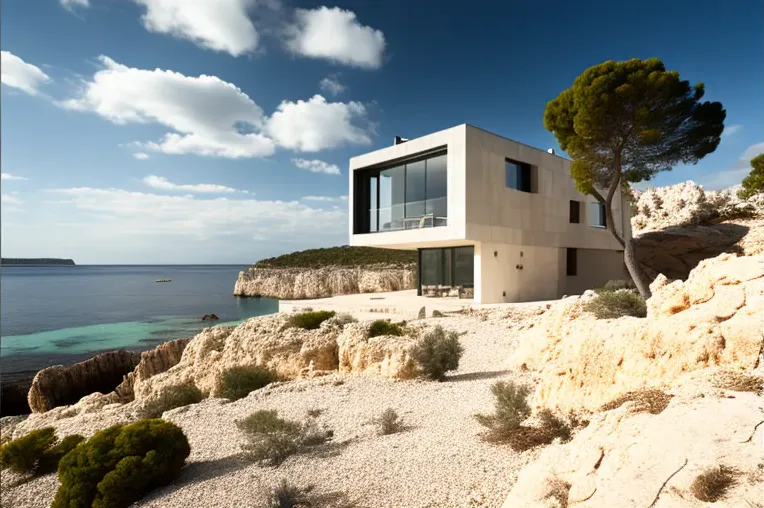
222,25
141,156
732,176
70,4
332,86
335,34
317,166
211,117
8,176
325,198
18,74
203,111
314,125
731,130
752,151
160,182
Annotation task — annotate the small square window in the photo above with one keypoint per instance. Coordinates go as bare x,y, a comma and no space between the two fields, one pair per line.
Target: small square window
598,219
571,265
575,212
518,175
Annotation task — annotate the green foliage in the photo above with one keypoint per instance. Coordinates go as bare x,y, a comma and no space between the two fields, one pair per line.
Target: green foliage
615,304
237,382
23,454
120,464
382,327
438,352
615,285
271,439
341,256
754,182
389,422
50,459
172,397
510,410
310,320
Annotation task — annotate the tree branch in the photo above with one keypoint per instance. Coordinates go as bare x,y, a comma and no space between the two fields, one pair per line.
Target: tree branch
664,484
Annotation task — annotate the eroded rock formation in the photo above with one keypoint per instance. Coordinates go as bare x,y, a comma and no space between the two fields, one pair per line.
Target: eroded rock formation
60,385
153,362
715,318
304,283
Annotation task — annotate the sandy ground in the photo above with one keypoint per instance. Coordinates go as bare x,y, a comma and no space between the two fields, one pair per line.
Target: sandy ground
437,461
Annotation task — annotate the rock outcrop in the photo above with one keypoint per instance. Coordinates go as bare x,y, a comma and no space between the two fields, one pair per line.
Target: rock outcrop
622,458
60,385
153,362
715,318
386,356
304,283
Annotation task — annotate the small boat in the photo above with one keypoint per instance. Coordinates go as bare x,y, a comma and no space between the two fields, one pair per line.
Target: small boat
162,280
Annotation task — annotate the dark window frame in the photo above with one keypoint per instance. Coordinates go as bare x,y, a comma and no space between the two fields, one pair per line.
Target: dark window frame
575,212
525,167
571,262
452,274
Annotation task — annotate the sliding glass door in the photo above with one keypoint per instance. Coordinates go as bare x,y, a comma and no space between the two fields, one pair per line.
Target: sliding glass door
450,266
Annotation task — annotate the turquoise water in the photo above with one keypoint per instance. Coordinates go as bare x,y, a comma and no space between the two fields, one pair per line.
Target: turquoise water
59,315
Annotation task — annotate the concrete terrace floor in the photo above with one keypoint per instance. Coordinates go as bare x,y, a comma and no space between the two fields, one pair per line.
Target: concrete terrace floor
393,304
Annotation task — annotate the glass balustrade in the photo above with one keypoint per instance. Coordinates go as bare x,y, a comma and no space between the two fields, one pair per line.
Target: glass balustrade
410,215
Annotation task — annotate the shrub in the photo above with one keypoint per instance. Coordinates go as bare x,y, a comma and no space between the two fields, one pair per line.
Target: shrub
738,382
615,285
120,464
36,452
615,304
237,382
345,319
287,495
389,422
310,320
510,410
170,398
550,427
650,400
272,439
341,256
315,412
712,484
438,352
382,327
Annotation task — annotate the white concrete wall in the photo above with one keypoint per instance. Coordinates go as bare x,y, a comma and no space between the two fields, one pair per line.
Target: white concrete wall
443,236
595,268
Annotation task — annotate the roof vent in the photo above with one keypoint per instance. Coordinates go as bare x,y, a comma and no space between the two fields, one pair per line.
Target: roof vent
399,140
551,150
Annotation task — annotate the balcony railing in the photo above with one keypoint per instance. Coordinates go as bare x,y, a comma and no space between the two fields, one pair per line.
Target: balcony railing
411,215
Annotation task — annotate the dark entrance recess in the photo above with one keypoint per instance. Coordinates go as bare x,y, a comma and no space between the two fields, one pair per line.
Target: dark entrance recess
450,266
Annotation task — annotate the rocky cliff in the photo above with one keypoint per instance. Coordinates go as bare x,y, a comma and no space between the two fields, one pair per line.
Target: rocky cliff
60,385
153,362
304,283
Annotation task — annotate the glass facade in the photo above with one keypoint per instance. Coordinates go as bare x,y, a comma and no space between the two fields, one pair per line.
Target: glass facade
450,266
409,195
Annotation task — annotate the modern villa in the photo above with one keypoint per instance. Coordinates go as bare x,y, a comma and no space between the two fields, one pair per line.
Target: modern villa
492,219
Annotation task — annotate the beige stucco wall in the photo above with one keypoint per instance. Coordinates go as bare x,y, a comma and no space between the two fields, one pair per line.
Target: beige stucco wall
595,268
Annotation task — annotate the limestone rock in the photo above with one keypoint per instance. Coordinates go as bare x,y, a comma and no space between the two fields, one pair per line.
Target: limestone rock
386,356
715,318
153,362
622,458
304,283
59,385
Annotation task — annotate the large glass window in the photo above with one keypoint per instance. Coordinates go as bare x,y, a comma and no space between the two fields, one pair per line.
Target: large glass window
518,175
415,189
464,266
451,266
597,217
437,188
392,186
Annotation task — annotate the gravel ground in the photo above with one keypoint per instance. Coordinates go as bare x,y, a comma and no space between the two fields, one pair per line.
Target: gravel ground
438,460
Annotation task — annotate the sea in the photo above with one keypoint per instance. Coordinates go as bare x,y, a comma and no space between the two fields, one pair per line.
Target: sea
59,315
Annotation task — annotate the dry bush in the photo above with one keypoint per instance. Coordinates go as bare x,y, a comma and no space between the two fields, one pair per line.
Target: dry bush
389,422
550,428
287,495
170,398
310,320
344,319
616,304
713,483
237,382
647,401
558,489
315,412
272,439
438,352
382,327
738,382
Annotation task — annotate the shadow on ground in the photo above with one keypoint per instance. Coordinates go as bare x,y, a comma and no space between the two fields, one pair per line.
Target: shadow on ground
475,376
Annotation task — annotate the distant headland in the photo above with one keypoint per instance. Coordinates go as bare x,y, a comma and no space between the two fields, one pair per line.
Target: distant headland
37,261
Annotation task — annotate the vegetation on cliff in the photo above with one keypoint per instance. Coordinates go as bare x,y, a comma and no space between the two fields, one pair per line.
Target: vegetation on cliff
340,256
37,261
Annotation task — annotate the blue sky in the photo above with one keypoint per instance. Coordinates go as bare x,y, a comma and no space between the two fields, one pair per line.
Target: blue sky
174,131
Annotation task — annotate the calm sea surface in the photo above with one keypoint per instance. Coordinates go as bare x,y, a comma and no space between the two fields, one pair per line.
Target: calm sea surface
62,314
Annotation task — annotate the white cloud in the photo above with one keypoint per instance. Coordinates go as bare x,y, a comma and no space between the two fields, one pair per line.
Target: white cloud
731,130
332,85
160,182
70,4
325,198
17,73
203,111
220,25
314,125
8,176
336,35
8,199
141,156
752,151
317,166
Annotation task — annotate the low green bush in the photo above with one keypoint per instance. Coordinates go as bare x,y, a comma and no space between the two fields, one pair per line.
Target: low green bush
345,319
615,285
615,304
438,352
310,320
237,382
382,327
172,397
37,452
271,439
120,464
511,408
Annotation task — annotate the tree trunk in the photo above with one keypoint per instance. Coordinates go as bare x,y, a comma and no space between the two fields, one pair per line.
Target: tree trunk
637,275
